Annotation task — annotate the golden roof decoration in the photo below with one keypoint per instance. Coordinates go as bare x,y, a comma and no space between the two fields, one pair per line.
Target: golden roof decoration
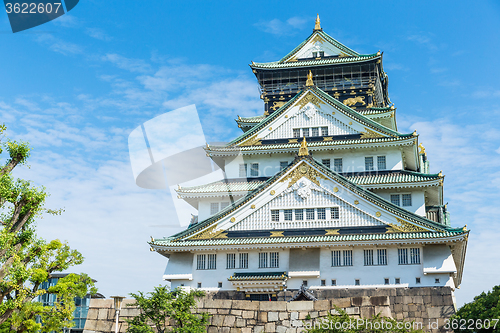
422,149
210,233
309,81
369,134
303,151
317,25
303,170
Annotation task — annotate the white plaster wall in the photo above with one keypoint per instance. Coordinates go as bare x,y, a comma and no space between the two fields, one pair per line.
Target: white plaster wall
417,198
204,206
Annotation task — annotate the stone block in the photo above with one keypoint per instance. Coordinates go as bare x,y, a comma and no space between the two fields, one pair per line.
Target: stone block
103,314
251,322
217,320
303,315
101,303
262,317
398,299
427,300
322,305
92,314
300,306
213,329
412,307
248,314
286,323
229,320
406,307
223,311
240,322
105,326
130,312
340,302
274,306
407,300
236,312
418,299
384,311
335,312
246,305
379,300
235,330
258,329
360,301
272,316
398,308
281,329
270,327
294,315
90,325
323,313
296,323
367,312
283,315
225,330
313,314
246,330
352,310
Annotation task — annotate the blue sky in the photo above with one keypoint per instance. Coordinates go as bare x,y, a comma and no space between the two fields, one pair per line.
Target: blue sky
76,87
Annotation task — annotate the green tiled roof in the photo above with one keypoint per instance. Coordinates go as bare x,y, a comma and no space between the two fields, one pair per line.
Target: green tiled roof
251,120
258,276
358,178
170,242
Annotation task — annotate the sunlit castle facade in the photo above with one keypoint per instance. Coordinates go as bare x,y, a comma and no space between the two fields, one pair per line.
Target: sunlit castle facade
321,190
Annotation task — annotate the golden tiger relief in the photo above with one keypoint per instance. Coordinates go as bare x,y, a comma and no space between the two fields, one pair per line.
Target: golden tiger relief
354,100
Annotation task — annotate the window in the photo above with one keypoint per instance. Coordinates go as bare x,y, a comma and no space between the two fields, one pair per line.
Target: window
395,199
304,283
275,215
321,213
341,258
283,164
337,165
324,131
326,162
321,53
356,282
315,54
417,280
369,163
315,131
243,260
299,214
230,260
199,285
201,260
397,280
323,282
212,261
254,170
309,213
223,205
381,257
305,132
381,165
334,282
243,170
335,214
414,256
386,281
436,280
347,257
274,258
288,214
219,285
406,199
296,132
336,259
403,256
214,208
263,260
368,255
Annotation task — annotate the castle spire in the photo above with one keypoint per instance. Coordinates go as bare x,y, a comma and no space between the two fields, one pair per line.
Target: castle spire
309,81
303,151
317,26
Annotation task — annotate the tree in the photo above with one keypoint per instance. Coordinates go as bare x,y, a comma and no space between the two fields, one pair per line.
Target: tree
481,315
163,308
26,261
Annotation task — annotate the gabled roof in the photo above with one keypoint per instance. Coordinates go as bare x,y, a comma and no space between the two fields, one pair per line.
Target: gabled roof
317,93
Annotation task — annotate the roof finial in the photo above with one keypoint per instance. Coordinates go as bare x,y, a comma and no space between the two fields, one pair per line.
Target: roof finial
309,81
317,26
303,151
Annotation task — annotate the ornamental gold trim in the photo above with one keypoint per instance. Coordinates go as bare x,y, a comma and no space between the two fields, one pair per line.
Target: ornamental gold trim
209,233
378,214
309,97
369,134
317,38
252,141
356,202
406,226
293,141
277,234
328,138
303,170
335,189
233,219
331,232
273,192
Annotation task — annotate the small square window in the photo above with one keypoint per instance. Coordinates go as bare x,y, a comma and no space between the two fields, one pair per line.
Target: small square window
299,214
220,285
254,170
326,162
356,282
395,199
334,282
335,213
369,163
323,282
321,213
406,200
305,132
436,280
182,284
296,132
214,208
324,131
321,53
398,280
386,281
304,283
315,131
309,213
288,214
381,165
275,215
199,285
337,164
315,54
417,280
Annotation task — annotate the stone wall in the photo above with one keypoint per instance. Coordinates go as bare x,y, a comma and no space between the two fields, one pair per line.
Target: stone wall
425,305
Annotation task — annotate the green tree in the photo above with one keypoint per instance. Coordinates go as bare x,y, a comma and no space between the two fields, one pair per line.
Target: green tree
479,313
163,308
26,261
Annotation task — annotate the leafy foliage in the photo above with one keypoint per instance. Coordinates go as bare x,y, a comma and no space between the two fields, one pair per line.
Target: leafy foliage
163,308
485,306
26,261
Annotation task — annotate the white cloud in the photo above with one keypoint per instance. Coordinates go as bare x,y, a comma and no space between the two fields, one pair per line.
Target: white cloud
278,27
132,65
59,45
98,34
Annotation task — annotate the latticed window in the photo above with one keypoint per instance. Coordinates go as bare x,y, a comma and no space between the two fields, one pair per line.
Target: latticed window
324,131
381,165
296,132
274,258
214,208
283,164
263,260
368,256
406,199
288,214
212,261
326,162
381,256
243,260
254,170
243,170
414,256
321,213
335,213
337,165
315,131
230,260
347,257
201,261
395,199
309,213
299,214
305,132
275,215
336,258
403,256
369,163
